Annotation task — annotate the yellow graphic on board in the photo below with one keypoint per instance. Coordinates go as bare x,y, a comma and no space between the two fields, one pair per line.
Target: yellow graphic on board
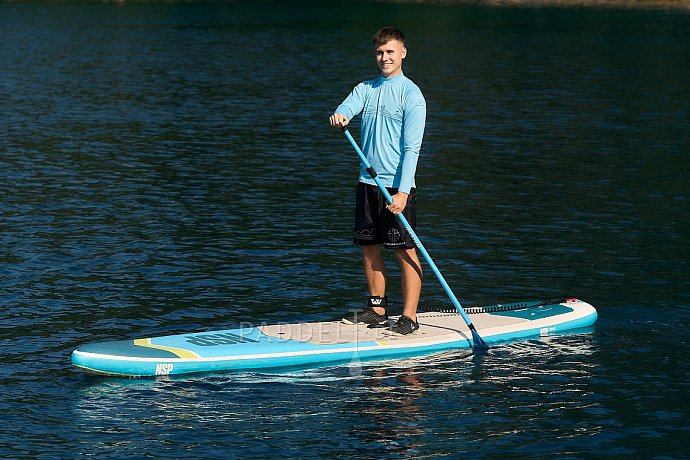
179,352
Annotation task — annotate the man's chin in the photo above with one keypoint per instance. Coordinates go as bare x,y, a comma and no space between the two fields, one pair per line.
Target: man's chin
387,72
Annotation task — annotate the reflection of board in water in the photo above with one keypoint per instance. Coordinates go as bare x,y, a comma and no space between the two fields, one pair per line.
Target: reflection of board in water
282,345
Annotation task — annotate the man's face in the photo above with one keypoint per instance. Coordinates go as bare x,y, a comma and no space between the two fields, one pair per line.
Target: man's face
389,58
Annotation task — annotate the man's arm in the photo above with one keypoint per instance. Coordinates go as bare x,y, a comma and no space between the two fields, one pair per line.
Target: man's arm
413,132
351,106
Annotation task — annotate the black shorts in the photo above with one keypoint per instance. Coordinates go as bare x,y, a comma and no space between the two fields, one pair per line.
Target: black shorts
374,224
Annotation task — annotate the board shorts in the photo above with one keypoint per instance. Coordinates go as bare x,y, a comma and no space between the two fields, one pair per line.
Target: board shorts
374,224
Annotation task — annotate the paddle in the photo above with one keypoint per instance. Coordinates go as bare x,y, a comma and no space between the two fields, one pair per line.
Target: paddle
478,342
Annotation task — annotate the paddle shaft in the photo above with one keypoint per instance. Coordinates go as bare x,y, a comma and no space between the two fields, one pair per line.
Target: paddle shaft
478,341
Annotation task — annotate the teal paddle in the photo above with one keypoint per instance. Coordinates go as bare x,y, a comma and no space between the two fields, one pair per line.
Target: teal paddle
478,342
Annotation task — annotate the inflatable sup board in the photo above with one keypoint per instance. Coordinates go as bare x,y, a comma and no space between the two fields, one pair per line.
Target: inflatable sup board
282,345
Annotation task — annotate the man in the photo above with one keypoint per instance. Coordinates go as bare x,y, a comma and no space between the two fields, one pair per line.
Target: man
393,117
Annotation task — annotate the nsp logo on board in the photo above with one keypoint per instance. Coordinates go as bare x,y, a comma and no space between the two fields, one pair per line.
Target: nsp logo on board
224,338
164,369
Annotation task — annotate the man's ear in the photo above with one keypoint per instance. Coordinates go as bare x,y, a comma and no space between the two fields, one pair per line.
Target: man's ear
404,52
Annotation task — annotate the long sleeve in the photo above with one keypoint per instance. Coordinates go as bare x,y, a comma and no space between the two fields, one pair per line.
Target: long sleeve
353,103
413,131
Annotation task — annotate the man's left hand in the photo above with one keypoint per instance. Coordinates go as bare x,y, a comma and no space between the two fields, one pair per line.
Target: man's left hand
398,204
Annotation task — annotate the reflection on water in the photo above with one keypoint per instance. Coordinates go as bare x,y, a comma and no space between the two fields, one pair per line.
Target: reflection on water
528,398
385,410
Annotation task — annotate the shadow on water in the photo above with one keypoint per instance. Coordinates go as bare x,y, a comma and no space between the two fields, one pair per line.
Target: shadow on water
382,407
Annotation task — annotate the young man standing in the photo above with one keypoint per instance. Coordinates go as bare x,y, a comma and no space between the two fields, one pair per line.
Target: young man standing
393,117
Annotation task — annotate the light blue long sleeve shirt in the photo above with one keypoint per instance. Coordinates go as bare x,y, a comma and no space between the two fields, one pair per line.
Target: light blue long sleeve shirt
393,118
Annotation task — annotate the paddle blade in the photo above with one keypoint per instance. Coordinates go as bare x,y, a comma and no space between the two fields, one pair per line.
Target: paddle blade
477,342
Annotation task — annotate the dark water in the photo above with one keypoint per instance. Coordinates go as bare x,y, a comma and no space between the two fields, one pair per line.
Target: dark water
167,168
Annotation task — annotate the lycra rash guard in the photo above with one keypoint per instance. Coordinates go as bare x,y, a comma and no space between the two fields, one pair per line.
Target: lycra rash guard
393,117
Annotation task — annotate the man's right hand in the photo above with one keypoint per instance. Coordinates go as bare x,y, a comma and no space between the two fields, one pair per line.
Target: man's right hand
338,120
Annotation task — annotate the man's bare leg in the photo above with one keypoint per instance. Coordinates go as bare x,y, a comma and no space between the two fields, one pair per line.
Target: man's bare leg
375,272
411,271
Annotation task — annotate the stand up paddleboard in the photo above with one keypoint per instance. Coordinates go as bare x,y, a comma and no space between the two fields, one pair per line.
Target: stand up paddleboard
283,345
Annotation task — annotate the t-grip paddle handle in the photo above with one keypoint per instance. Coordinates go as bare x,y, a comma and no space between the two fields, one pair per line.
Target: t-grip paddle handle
478,342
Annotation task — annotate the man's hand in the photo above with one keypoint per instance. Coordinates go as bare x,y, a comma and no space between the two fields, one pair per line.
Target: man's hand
398,204
338,120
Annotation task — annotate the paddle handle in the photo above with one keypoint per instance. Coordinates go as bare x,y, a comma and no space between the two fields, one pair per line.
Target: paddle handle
478,341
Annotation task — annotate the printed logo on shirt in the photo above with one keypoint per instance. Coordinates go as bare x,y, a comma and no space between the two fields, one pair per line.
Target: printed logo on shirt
392,113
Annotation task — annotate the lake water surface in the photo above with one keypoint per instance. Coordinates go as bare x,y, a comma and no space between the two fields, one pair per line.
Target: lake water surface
167,167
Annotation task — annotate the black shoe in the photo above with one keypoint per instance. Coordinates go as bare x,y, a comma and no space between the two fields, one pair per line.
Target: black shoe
404,326
368,315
